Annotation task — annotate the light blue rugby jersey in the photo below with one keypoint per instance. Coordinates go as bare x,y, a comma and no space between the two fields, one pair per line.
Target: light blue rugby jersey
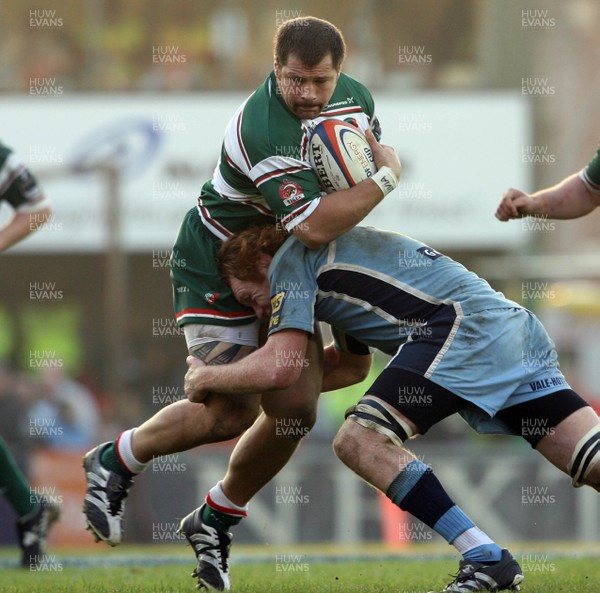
375,286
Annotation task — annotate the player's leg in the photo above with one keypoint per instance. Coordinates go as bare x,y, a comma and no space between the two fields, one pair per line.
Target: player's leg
370,442
34,517
259,455
287,416
564,429
111,467
218,330
554,419
575,447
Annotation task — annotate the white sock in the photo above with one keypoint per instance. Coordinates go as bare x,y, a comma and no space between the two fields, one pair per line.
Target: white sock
217,500
471,538
125,453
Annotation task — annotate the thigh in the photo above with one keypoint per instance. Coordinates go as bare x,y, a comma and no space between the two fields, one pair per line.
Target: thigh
558,447
540,417
417,399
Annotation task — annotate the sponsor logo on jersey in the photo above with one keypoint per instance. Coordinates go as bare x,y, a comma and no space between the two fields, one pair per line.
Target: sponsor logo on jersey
547,383
276,304
346,101
429,252
290,192
211,297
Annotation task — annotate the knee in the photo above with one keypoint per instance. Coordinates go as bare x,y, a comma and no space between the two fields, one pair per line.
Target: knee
345,443
294,427
296,421
231,418
305,415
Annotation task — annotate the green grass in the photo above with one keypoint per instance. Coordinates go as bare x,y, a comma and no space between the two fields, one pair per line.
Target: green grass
297,572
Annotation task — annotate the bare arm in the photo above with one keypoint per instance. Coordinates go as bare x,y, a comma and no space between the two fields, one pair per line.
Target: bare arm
276,365
21,225
342,210
342,369
569,199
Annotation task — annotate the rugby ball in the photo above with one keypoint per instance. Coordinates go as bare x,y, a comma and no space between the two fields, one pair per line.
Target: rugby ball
340,155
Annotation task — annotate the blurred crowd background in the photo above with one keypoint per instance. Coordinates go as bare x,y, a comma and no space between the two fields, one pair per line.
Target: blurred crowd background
119,48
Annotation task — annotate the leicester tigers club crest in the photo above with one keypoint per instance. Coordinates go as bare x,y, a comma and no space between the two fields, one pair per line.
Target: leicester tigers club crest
290,192
211,297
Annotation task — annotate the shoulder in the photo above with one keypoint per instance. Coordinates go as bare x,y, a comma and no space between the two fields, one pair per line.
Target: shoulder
266,124
292,248
352,88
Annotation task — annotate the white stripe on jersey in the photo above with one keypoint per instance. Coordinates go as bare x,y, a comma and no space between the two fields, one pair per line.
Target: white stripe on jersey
221,231
11,169
250,316
583,175
388,280
436,361
275,166
293,219
211,224
233,141
222,187
366,305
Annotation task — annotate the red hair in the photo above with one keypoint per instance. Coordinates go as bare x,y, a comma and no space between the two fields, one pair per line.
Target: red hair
237,257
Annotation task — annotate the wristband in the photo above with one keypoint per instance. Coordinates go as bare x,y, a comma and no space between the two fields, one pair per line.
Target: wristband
385,179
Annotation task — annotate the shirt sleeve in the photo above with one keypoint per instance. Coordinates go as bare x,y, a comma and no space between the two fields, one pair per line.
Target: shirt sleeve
590,175
293,292
19,187
290,187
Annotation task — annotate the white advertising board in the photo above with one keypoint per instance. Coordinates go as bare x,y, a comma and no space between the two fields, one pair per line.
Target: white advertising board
460,152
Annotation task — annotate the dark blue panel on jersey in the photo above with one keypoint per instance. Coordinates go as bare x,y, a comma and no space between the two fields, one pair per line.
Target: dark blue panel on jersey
419,352
378,293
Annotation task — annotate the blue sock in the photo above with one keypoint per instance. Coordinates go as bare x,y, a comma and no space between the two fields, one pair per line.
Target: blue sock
454,523
418,491
485,553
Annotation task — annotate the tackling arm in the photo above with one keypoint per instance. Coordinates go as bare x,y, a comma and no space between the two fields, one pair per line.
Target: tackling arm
276,365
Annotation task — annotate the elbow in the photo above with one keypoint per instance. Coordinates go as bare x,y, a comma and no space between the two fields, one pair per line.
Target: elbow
362,374
285,376
364,368
314,240
359,370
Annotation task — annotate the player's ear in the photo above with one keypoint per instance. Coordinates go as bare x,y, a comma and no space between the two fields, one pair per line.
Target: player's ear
264,261
276,67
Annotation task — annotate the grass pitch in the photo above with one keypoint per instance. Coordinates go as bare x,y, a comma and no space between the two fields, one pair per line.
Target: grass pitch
155,569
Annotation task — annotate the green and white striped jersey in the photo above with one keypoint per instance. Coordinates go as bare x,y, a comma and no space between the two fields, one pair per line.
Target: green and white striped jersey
18,186
591,174
264,171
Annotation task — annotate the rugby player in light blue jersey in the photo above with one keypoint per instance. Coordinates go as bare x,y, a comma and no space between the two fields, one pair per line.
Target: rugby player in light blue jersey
263,175
456,345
